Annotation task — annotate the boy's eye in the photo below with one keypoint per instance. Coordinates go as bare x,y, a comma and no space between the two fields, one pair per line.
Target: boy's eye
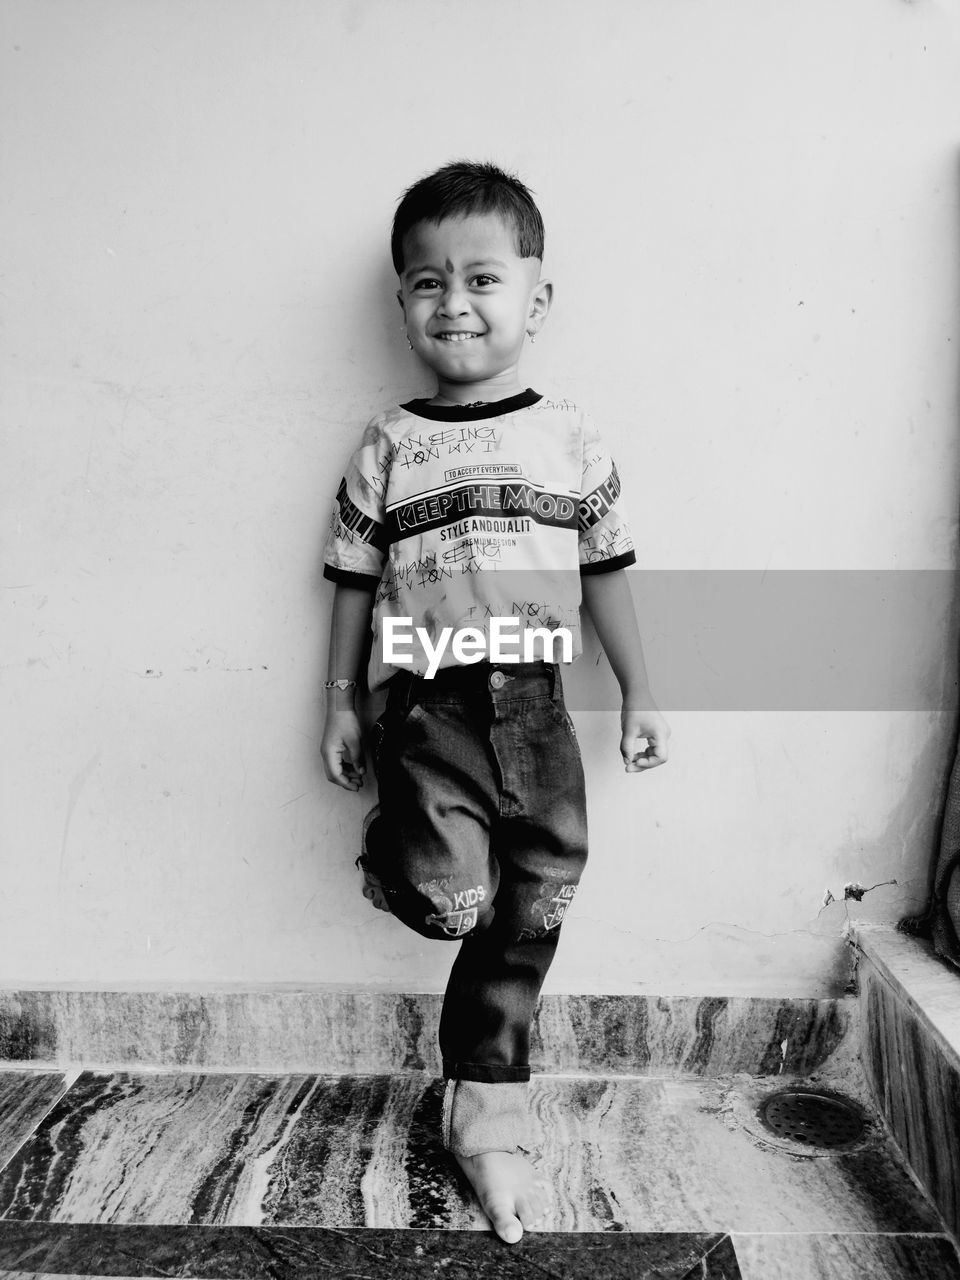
484,280
426,283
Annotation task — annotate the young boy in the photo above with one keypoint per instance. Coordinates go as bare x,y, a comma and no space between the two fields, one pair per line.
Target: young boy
467,525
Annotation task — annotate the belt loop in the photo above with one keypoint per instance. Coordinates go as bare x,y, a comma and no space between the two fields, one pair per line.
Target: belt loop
404,687
556,691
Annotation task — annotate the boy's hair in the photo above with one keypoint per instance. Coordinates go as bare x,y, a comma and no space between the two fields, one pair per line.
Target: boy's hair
464,187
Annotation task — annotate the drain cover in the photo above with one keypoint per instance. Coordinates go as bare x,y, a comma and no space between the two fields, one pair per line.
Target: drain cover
818,1119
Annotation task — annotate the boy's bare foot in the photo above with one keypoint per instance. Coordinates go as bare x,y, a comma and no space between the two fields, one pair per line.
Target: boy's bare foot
511,1192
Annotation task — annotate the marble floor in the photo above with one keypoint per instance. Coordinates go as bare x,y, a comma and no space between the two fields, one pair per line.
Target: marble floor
242,1175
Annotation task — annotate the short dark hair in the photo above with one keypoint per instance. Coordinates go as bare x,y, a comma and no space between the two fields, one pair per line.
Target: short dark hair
464,187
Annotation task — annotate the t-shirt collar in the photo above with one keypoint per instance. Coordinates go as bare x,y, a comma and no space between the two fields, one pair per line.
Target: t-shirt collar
472,413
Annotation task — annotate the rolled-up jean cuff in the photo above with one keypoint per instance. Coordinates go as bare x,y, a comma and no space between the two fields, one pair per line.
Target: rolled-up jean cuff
484,1073
481,1117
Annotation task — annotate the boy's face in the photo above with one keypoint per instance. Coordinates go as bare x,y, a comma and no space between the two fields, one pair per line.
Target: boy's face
469,300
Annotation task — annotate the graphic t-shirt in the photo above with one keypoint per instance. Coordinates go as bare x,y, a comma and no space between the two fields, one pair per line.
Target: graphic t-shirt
458,516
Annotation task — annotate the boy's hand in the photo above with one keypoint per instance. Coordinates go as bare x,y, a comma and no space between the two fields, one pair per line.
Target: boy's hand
643,742
341,749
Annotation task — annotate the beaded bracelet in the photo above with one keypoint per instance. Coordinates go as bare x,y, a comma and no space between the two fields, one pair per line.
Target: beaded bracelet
340,684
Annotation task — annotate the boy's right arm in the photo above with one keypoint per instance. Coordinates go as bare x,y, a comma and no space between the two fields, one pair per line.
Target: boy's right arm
341,748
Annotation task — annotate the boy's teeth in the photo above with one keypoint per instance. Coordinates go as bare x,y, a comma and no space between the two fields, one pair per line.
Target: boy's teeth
457,337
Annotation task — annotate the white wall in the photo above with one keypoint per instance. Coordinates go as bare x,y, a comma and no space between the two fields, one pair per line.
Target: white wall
751,213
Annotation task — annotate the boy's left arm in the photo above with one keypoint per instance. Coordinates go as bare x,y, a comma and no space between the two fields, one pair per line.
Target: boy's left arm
610,605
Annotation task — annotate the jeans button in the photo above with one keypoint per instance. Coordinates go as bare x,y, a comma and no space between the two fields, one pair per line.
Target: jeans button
497,680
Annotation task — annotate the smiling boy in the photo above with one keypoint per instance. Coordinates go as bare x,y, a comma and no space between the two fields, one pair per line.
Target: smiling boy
484,502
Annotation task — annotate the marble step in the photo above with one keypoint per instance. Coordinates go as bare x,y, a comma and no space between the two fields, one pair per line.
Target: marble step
250,1253
69,1252
623,1154
335,1030
248,1176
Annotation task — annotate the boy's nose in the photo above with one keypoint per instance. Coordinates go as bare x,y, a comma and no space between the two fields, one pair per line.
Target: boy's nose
454,303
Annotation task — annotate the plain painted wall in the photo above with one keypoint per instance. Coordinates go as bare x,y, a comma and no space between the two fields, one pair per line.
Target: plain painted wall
752,225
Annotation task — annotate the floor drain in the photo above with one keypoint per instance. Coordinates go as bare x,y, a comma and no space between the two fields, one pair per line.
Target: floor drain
817,1119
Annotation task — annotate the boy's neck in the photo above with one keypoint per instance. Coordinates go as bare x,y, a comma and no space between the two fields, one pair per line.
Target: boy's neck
488,391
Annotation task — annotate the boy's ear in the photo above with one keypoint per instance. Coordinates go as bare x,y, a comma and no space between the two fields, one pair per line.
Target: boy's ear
540,301
400,300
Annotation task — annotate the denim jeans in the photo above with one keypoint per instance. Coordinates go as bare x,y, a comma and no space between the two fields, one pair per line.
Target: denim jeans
481,838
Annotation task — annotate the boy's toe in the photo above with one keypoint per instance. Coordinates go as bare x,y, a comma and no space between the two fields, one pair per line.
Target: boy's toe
532,1209
508,1228
506,1223
529,1211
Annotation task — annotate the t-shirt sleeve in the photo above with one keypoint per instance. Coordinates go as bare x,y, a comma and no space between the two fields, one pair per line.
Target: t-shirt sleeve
356,546
605,541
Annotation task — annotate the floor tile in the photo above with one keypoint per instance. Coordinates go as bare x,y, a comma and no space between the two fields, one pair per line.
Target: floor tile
190,1148
674,1155
847,1257
25,1097
624,1154
288,1253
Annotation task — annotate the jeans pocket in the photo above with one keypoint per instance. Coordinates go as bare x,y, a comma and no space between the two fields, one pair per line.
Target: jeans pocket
395,719
563,716
399,710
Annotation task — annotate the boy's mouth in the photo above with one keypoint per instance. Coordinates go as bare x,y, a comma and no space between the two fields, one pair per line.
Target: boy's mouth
456,336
